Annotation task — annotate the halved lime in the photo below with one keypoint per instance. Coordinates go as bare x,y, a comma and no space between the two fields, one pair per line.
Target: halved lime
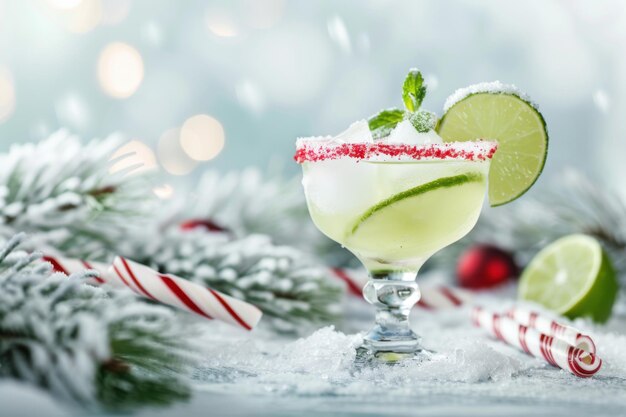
519,129
572,276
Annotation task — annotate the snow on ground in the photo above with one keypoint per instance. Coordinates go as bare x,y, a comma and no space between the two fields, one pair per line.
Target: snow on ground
21,400
468,369
260,373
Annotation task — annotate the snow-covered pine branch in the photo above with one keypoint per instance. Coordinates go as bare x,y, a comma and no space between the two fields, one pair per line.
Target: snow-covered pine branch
62,193
84,344
248,202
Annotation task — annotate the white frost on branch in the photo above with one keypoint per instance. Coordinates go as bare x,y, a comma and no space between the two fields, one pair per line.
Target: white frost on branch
62,193
292,289
84,344
247,202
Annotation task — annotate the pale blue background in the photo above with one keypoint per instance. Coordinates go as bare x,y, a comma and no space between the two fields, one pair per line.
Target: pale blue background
568,55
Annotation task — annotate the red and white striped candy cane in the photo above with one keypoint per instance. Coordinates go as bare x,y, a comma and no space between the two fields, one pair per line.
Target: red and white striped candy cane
183,294
548,326
215,305
441,297
433,297
555,351
355,279
70,266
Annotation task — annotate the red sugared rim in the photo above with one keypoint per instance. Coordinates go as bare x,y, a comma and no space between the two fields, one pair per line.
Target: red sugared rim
321,150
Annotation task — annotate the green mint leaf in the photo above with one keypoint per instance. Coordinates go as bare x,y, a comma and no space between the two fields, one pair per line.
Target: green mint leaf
423,120
382,123
388,117
413,90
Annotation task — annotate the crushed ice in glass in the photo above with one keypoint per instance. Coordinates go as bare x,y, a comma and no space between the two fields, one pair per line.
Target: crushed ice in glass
358,132
331,195
404,132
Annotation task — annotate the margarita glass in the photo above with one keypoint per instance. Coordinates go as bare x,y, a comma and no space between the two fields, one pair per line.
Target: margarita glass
393,205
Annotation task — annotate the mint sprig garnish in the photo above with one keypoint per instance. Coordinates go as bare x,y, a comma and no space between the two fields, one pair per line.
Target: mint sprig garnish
413,93
382,123
413,90
423,120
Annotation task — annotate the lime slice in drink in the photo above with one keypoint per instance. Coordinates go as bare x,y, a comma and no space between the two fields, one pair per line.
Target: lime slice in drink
495,111
400,198
418,221
572,276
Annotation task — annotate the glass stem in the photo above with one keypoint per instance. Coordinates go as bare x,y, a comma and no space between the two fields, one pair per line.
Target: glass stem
393,294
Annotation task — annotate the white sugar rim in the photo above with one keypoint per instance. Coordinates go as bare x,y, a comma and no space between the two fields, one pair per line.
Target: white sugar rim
328,142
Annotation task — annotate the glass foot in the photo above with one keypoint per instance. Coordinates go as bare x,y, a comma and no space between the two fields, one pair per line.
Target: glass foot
389,335
366,358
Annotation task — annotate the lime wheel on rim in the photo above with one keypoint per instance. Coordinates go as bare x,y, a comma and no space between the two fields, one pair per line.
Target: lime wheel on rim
494,111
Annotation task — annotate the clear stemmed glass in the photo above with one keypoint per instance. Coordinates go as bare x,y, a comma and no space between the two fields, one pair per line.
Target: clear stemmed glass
393,206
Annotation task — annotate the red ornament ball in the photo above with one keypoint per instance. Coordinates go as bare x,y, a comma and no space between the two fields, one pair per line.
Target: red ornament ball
485,266
206,224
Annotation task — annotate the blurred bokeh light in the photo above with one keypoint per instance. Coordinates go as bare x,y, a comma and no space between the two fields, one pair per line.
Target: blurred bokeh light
164,191
84,17
120,70
202,137
7,94
134,155
171,154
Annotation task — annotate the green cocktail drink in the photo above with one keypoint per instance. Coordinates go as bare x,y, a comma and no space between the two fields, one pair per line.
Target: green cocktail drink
404,184
394,205
414,209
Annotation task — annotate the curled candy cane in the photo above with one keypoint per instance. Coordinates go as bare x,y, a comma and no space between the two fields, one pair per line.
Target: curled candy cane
551,327
70,266
442,297
354,280
555,351
166,289
183,294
